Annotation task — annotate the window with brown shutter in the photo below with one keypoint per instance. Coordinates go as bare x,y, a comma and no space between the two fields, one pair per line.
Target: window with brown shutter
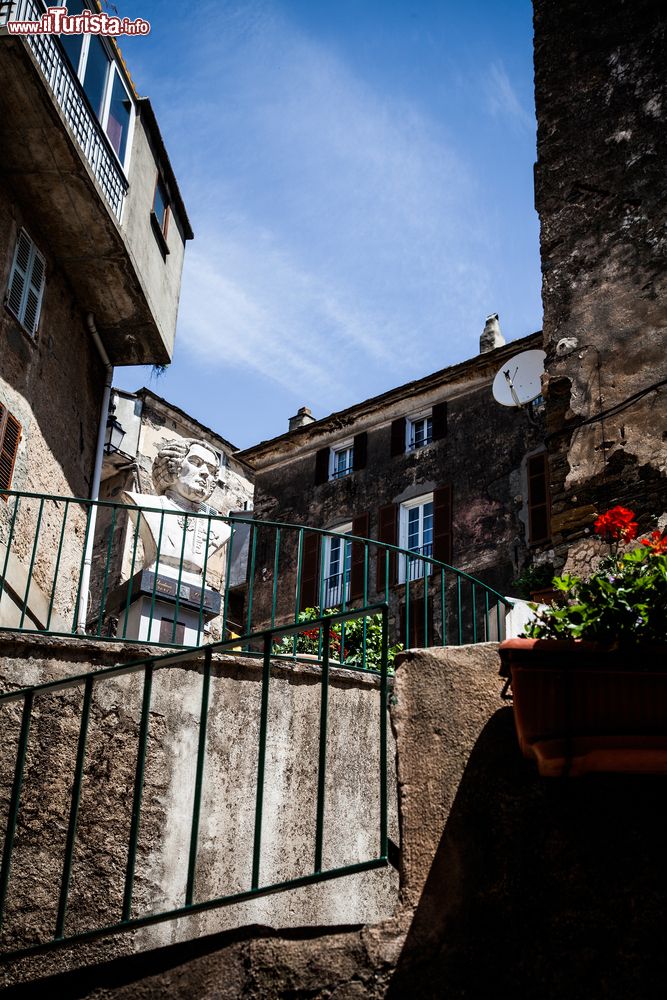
359,453
359,527
439,421
539,529
387,533
10,435
398,437
310,562
442,524
419,626
321,466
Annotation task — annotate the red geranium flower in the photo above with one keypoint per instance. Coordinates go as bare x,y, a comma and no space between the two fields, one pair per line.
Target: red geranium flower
617,523
656,542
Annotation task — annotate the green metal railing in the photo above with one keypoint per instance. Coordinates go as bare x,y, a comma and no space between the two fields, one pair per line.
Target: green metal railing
19,814
269,573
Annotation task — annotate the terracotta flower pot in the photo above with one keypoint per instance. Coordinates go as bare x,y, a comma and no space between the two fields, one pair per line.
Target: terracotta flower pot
581,707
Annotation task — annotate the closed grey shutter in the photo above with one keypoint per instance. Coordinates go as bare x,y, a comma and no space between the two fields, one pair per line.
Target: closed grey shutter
33,298
26,283
18,278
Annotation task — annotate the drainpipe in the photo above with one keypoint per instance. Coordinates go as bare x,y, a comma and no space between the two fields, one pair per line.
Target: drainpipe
97,476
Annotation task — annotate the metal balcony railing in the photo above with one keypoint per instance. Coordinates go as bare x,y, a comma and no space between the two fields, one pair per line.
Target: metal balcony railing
267,574
73,103
28,921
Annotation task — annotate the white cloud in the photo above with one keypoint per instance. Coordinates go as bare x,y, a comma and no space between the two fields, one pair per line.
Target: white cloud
503,101
337,240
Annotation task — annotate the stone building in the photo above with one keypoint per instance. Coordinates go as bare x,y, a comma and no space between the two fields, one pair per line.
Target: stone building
148,422
601,99
92,239
436,467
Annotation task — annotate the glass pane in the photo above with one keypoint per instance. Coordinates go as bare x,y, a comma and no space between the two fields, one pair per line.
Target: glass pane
418,428
413,528
428,436
119,117
160,204
334,557
348,558
97,67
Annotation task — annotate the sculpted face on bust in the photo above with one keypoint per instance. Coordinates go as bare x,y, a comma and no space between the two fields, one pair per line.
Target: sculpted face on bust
197,474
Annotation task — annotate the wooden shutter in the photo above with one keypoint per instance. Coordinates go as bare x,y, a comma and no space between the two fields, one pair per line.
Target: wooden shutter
10,435
398,437
309,594
360,525
387,533
26,282
417,637
359,453
538,499
439,421
442,524
321,466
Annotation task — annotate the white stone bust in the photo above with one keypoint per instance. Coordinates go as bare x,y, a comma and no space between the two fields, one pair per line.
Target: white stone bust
184,472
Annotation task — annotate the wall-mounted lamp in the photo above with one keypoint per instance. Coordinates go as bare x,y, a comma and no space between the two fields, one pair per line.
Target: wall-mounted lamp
115,433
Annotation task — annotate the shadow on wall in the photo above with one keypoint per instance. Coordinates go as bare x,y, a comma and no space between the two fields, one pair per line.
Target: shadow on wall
541,888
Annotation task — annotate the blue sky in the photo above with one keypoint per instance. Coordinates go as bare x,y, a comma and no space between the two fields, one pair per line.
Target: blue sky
358,175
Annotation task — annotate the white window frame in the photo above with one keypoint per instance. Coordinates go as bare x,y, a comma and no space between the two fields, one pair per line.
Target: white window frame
416,565
410,422
103,118
336,450
33,256
342,529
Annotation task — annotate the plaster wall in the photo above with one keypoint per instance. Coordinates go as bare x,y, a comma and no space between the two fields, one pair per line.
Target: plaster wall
160,273
228,805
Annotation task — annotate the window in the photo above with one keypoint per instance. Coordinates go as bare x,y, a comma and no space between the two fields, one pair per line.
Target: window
410,433
419,432
102,81
26,283
539,529
342,461
161,206
416,534
337,568
10,435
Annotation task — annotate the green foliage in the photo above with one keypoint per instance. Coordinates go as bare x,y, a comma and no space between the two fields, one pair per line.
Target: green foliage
534,577
624,601
352,635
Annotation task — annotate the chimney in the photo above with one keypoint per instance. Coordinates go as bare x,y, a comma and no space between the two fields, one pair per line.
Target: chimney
491,335
303,417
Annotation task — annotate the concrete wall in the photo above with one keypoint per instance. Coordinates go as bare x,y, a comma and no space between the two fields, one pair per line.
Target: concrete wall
227,817
160,273
511,885
600,190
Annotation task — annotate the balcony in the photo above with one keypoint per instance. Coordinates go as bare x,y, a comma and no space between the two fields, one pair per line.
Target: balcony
72,102
61,168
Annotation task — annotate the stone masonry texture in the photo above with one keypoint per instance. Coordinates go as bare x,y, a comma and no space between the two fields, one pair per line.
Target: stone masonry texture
601,99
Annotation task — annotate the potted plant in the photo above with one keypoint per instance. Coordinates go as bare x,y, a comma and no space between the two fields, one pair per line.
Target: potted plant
589,678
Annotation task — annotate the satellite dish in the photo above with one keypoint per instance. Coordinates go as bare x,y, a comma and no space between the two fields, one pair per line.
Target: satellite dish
518,381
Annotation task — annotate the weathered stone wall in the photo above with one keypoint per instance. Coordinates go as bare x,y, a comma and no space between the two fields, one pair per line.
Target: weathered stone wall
480,456
351,829
601,99
52,383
